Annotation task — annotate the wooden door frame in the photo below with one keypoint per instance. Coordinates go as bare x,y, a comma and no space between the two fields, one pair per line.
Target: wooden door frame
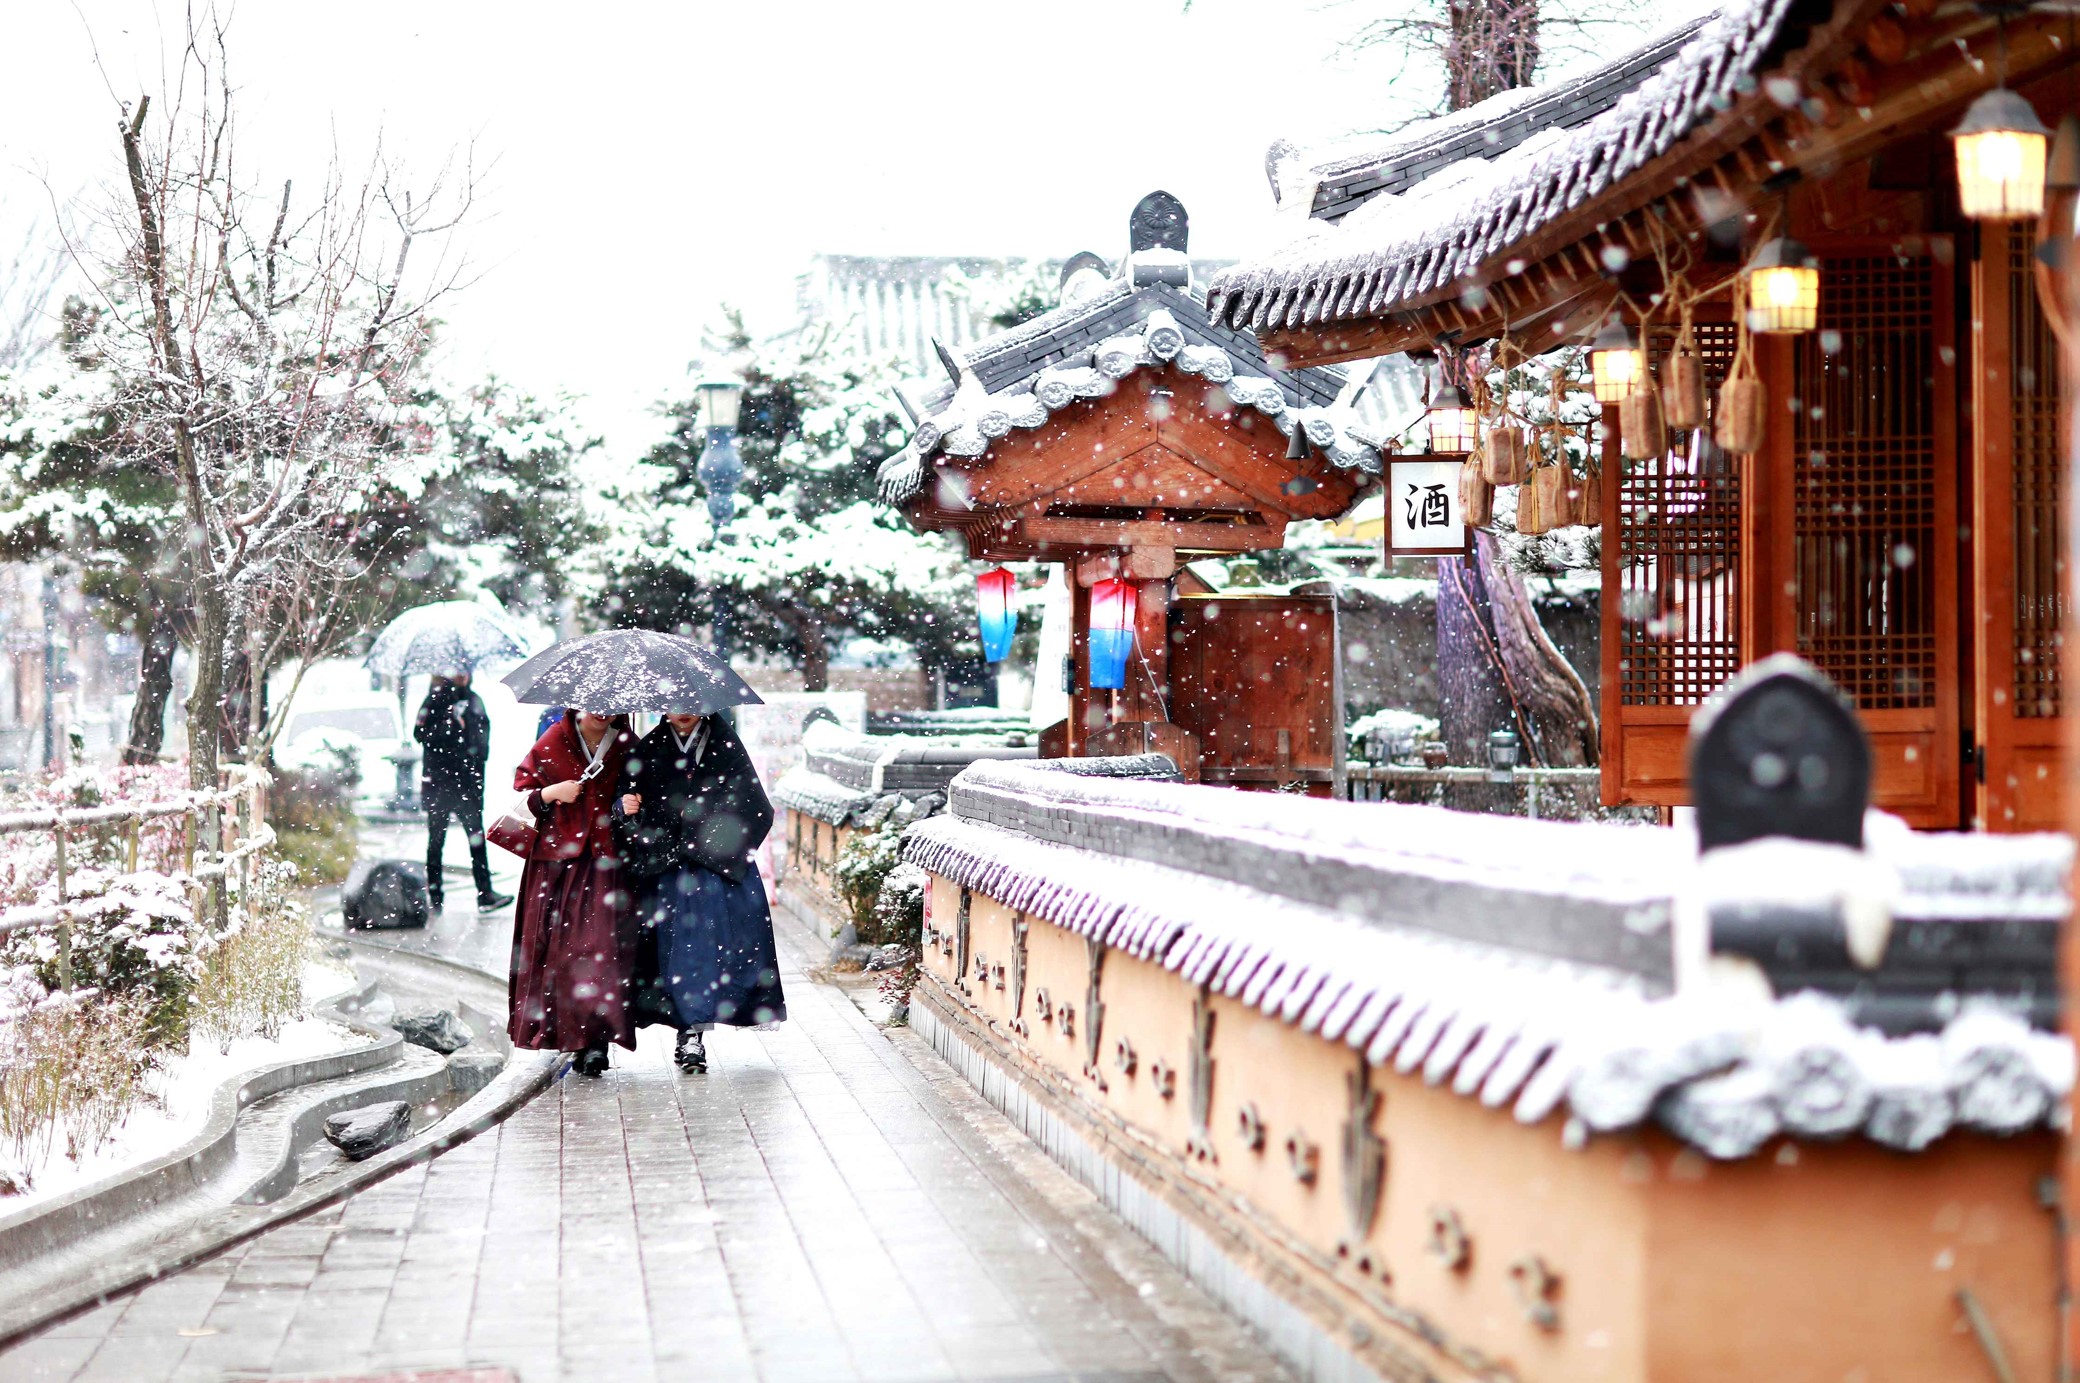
2007,745
1898,745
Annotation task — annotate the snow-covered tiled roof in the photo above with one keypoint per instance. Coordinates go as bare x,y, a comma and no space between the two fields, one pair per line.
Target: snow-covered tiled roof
1398,248
1081,350
1525,964
1486,130
803,789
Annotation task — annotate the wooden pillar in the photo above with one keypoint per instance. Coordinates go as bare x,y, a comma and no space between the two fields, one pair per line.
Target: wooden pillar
2066,296
1151,570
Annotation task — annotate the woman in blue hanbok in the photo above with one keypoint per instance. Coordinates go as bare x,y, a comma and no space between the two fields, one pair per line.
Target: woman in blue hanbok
689,815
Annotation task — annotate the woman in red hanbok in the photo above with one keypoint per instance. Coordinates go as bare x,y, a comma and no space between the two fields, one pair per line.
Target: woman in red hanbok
573,934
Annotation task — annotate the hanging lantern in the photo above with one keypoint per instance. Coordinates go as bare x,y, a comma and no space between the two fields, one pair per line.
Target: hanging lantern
1451,421
999,617
2001,146
1783,289
1616,363
1112,631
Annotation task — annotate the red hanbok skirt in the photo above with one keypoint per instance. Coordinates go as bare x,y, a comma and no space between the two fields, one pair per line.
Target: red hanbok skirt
573,956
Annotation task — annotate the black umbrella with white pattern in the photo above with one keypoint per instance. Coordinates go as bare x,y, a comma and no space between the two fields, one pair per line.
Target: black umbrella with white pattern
625,670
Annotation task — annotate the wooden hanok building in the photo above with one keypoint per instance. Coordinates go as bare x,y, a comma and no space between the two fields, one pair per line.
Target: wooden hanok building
1899,523
1121,433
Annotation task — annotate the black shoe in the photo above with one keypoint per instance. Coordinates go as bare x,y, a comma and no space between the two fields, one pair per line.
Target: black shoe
433,900
492,902
591,1062
692,1055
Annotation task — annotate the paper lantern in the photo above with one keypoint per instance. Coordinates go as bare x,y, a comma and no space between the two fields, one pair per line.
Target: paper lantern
1451,421
2001,145
1112,632
1783,289
999,617
1617,365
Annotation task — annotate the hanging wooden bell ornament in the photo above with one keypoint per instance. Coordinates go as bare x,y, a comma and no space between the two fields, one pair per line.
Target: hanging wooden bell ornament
1530,519
1476,495
1682,392
1742,400
1639,424
1506,459
1556,496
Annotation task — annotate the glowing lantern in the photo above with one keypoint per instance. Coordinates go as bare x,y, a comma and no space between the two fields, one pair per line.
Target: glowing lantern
1783,289
1616,363
1451,421
2001,146
1112,632
994,589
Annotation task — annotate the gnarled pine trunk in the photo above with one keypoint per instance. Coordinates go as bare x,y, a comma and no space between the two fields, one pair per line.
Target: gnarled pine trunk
1496,669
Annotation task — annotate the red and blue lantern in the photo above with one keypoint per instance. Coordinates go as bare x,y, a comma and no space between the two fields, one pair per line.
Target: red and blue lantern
1112,632
994,590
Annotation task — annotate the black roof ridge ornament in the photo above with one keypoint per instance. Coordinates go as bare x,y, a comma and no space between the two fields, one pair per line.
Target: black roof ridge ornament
1159,222
1779,751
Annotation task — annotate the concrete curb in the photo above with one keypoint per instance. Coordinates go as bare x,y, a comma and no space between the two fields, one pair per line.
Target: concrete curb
526,1074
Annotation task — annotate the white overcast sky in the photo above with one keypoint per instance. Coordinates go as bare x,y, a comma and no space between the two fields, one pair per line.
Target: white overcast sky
654,159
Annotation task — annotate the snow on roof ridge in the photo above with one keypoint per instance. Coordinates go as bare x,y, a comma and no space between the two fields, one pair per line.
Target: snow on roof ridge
1506,103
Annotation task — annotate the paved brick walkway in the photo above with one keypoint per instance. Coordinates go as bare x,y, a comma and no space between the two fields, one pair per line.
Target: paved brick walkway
827,1204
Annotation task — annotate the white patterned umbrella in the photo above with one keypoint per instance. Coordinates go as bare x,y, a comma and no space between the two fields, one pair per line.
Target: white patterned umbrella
630,670
446,637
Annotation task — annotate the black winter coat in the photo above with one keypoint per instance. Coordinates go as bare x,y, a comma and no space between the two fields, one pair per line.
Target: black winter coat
707,815
456,733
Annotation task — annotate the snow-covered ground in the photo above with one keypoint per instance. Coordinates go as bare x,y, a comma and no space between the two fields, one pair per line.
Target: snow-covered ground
182,1091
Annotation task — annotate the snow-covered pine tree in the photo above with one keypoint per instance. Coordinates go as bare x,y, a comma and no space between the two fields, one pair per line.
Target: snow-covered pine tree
812,560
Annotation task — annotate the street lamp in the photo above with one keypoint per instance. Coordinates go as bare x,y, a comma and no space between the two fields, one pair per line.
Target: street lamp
719,471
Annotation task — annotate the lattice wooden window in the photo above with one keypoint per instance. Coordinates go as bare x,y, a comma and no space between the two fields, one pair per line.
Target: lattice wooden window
1864,483
1679,560
2040,601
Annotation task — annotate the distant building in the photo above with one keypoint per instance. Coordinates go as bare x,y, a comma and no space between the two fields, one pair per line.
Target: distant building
899,303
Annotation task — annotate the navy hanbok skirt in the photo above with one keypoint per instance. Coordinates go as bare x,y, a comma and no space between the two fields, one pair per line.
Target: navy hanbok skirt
707,952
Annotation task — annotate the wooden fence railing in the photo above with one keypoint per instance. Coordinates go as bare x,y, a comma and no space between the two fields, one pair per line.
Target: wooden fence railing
1371,782
221,832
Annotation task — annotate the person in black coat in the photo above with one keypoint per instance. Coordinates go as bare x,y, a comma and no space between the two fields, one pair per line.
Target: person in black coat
690,813
455,732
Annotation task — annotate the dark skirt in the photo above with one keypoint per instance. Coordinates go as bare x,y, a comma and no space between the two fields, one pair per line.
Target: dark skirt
707,952
573,956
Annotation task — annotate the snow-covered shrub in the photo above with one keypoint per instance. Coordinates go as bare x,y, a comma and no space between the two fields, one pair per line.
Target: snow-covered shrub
252,979
863,865
899,909
72,1067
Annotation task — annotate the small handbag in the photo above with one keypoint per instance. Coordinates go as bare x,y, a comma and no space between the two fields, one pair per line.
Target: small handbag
515,829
